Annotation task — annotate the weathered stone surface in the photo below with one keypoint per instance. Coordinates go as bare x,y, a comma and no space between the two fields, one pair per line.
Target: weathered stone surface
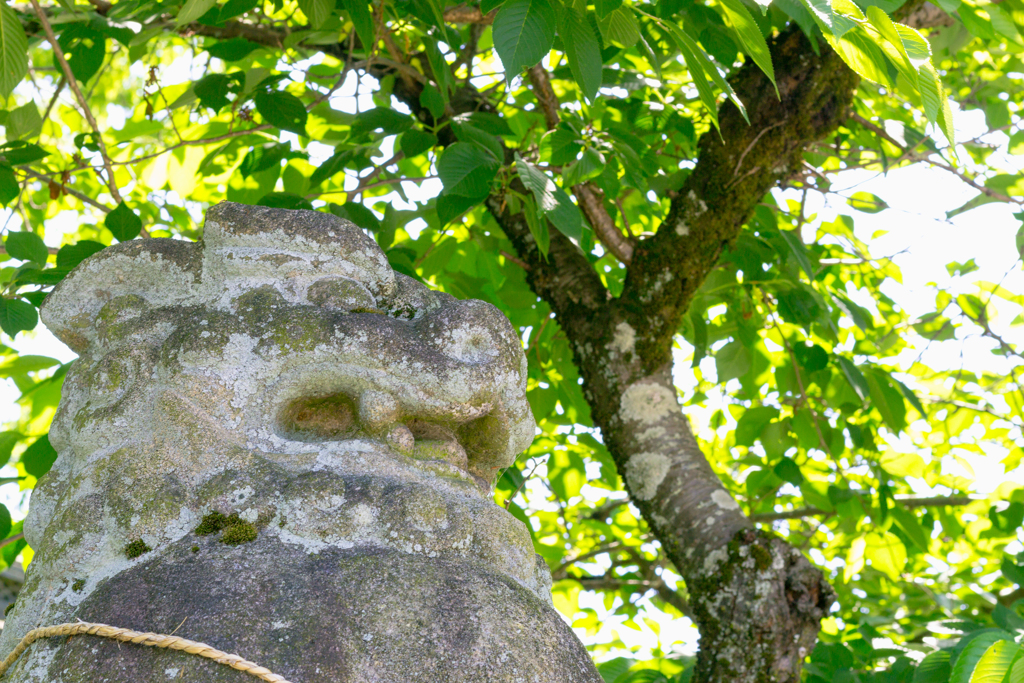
281,375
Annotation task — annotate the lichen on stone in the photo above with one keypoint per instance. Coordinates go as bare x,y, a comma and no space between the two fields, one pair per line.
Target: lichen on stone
78,585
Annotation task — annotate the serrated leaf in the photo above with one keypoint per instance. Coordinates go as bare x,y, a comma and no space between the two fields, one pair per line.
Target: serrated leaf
17,316
26,246
933,669
124,223
620,27
470,133
317,11
282,110
583,51
13,50
969,657
552,201
24,154
750,37
467,169
523,32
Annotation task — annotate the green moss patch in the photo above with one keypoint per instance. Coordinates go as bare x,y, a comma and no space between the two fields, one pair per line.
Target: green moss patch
136,548
233,530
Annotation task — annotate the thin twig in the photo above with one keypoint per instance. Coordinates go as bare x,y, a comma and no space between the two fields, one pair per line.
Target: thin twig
58,54
74,193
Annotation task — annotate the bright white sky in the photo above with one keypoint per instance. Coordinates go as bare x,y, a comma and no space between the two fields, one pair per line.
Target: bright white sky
915,225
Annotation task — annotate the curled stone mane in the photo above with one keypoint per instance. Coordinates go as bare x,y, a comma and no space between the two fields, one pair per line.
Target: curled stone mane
274,434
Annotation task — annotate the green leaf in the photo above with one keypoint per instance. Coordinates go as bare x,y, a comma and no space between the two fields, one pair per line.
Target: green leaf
282,110
13,50
467,170
590,165
71,255
9,187
620,27
362,20
231,50
538,226
433,100
193,9
384,119
358,214
332,166
26,246
969,657
752,423
561,145
908,522
415,142
750,37
124,223
854,377
733,361
583,51
886,552
5,521
24,154
995,663
19,365
523,32
933,669
234,8
23,122
469,133
867,202
8,440
701,68
887,400
39,457
284,200
451,206
799,251
17,316
213,90
552,201
317,11
787,470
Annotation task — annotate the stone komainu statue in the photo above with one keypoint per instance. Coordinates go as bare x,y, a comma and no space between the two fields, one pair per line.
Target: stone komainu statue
276,445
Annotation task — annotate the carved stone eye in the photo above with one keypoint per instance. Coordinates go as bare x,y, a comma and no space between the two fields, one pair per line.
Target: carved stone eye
340,294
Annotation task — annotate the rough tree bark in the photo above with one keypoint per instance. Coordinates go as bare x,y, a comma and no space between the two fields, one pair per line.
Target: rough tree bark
757,601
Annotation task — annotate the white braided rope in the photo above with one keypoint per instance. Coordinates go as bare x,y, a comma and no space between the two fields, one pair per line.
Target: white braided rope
125,635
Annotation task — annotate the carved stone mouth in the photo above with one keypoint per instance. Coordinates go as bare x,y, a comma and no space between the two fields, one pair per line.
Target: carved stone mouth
375,415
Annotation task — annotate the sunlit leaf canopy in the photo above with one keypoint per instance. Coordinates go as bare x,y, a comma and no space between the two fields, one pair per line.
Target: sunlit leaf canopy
150,112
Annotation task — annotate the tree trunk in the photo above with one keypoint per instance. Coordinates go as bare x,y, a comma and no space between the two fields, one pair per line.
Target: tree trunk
756,600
